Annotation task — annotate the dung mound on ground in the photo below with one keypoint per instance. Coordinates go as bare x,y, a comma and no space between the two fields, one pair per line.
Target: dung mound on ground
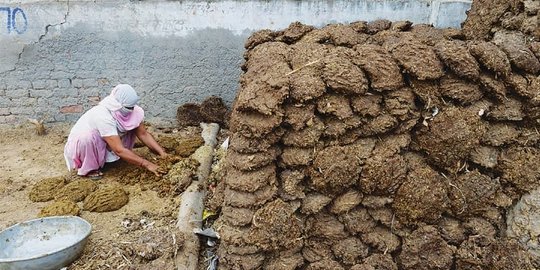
183,146
409,164
77,190
214,110
211,110
128,174
181,174
188,146
105,199
145,247
45,189
60,208
189,114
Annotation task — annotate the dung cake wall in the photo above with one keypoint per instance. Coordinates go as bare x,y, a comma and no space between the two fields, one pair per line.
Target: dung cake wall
487,17
379,146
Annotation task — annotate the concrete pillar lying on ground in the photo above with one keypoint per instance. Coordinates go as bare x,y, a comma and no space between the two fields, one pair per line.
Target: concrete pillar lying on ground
191,204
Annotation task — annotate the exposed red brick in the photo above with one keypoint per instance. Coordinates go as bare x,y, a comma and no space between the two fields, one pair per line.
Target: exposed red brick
71,109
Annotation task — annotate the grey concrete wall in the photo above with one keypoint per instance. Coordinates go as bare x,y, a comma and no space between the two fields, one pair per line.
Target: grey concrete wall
58,58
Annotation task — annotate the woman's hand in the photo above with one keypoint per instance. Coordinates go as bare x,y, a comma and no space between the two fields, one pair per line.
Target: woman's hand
158,171
116,145
149,140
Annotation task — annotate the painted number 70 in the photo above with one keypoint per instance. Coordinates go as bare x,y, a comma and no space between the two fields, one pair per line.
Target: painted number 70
16,20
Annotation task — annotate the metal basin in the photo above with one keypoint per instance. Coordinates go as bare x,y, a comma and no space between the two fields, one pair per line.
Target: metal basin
43,244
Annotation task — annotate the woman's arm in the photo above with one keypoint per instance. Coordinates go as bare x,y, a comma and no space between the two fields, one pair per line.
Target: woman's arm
115,144
149,140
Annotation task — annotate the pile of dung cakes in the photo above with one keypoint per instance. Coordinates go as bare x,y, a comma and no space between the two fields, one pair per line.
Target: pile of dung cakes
507,23
65,194
379,146
487,17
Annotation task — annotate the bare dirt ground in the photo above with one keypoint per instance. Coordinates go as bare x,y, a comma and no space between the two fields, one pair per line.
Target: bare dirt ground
26,158
139,235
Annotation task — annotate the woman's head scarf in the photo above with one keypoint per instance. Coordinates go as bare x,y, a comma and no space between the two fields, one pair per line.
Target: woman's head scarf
122,102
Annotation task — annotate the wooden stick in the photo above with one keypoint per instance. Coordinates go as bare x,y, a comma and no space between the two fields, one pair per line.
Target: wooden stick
306,65
311,64
40,128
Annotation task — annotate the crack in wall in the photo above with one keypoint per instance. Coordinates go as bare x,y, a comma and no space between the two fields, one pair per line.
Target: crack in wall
40,38
58,24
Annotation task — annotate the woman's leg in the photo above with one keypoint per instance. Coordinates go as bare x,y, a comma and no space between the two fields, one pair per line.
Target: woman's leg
87,152
128,141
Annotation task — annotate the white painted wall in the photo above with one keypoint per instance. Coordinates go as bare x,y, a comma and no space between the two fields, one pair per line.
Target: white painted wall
180,18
